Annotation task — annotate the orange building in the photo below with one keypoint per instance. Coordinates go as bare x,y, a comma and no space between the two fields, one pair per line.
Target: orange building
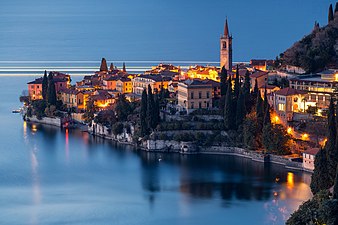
61,81
124,85
110,83
35,89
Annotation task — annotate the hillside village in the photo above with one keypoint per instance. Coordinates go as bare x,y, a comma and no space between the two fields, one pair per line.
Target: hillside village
198,106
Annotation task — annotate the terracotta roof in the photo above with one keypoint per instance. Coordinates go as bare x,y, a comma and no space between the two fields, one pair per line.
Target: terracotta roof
261,62
101,95
257,62
267,86
124,79
289,91
258,74
55,79
36,81
69,91
312,151
212,82
156,78
196,83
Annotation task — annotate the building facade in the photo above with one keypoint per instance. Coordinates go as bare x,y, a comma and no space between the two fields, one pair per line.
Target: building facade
319,86
309,158
194,94
61,82
288,101
124,85
155,81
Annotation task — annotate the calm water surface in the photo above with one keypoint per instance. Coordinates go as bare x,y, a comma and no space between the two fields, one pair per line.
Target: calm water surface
53,176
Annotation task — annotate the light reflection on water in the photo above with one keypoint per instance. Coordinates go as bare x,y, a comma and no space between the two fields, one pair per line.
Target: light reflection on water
58,176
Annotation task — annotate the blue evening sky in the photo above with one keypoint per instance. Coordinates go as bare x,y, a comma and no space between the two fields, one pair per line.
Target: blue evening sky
152,29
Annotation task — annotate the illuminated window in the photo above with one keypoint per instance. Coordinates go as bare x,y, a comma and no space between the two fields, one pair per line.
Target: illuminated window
281,107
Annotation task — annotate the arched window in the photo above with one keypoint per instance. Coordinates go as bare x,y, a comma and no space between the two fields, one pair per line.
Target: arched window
224,44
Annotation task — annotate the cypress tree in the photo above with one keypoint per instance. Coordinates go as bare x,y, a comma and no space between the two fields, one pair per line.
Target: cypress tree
336,8
266,102
124,67
237,84
157,110
331,141
111,68
267,116
240,110
229,120
44,86
267,135
143,114
224,77
150,109
103,66
246,87
51,92
259,113
320,178
335,189
255,92
330,13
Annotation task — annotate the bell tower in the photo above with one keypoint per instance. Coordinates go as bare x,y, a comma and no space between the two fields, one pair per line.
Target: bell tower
226,48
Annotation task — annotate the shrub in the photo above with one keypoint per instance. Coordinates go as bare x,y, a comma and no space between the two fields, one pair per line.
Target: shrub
117,128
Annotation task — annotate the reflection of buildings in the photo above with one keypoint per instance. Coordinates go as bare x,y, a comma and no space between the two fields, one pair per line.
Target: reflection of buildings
150,174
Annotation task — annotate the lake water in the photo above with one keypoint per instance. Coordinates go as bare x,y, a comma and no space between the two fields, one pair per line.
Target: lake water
54,176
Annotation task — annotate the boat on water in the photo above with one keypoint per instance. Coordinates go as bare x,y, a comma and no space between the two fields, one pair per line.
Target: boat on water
16,111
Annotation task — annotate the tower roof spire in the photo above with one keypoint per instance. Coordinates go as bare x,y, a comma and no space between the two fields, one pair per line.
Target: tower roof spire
226,28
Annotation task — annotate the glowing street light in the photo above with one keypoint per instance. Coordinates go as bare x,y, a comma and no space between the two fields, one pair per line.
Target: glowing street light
289,130
305,137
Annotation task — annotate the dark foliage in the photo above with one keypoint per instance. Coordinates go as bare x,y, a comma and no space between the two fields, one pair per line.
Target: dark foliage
44,86
315,51
103,66
224,85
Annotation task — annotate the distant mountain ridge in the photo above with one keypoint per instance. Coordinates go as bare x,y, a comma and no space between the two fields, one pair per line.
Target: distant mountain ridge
316,51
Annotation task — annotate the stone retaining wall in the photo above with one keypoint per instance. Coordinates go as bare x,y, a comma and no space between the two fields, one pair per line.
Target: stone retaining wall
46,120
103,131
